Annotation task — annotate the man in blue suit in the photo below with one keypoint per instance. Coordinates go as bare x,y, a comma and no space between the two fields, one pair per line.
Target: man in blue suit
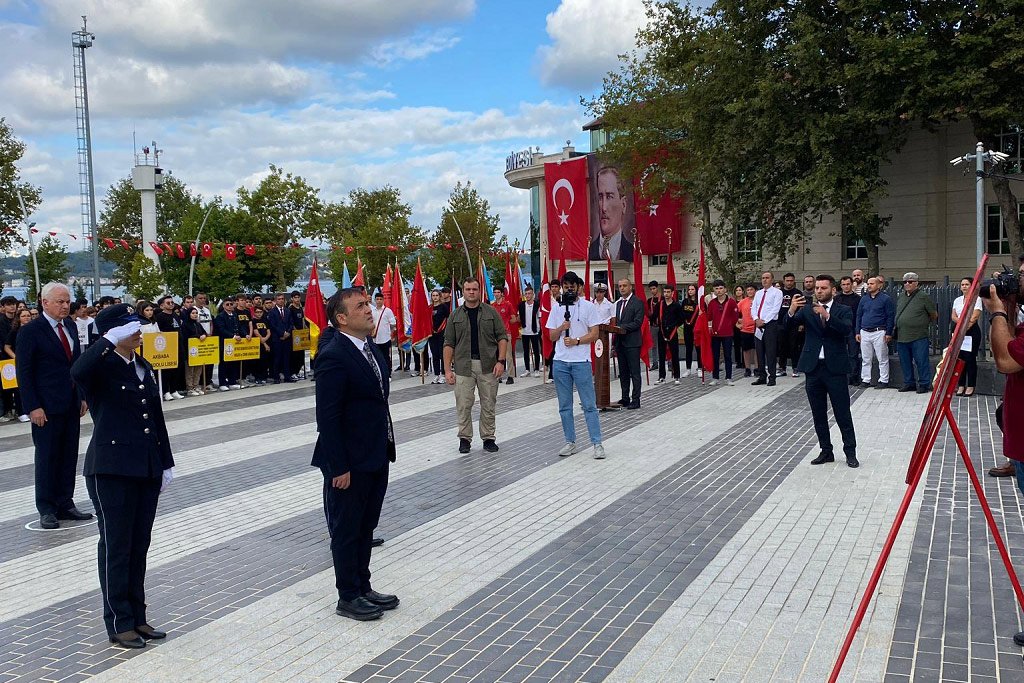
281,327
47,347
826,364
355,444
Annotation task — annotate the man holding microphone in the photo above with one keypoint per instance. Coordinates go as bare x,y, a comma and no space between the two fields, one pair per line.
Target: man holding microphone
572,326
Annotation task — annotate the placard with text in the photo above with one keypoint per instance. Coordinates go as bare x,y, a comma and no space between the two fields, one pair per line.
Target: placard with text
205,352
242,349
160,349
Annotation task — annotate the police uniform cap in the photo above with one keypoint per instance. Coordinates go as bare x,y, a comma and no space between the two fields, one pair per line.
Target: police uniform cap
115,316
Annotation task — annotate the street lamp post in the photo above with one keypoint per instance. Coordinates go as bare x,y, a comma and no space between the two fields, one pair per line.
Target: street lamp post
469,261
31,244
195,248
979,158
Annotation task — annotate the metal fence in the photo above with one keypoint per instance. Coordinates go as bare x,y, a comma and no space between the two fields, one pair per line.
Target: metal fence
942,329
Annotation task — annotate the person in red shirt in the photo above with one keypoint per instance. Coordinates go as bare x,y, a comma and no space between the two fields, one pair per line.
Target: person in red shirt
747,330
510,317
724,315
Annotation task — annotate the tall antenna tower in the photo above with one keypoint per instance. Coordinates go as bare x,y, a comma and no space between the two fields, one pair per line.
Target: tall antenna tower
80,40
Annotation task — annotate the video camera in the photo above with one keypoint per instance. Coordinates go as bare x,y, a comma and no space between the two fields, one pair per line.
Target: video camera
1007,284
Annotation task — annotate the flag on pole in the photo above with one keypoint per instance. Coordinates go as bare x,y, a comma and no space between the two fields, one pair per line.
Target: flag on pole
702,330
586,278
359,280
512,291
386,289
488,293
400,309
346,281
545,310
647,341
314,311
422,315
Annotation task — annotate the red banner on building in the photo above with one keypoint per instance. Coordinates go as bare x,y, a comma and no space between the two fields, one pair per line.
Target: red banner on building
566,208
654,220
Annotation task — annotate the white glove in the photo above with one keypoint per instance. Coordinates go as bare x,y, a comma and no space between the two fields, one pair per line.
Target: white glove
166,479
122,332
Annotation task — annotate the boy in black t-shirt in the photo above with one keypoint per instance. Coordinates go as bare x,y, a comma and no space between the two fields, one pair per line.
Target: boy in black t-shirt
260,328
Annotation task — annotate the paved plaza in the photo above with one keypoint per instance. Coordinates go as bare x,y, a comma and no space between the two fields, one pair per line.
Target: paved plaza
704,548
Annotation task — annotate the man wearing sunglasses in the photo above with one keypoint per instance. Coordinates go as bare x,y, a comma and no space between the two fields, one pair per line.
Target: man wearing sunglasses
915,313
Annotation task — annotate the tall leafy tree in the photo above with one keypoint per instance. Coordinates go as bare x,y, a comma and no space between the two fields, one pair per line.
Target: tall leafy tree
11,151
479,226
52,257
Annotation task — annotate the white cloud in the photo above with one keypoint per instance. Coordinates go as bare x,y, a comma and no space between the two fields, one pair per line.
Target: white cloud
587,37
412,48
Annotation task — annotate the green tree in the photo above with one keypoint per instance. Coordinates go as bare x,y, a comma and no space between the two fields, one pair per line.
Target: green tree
141,278
80,294
479,225
375,218
11,228
52,258
282,209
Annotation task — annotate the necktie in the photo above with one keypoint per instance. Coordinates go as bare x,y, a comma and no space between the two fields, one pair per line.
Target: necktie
380,381
64,340
605,248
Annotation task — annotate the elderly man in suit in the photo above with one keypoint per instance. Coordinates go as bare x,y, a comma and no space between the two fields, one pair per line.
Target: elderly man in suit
355,444
826,363
629,315
47,347
126,467
281,327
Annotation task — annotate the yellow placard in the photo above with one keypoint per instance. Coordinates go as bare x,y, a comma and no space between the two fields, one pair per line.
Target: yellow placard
300,340
160,349
8,378
205,352
241,349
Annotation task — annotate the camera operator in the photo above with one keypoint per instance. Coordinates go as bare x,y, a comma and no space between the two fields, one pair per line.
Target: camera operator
572,327
1006,334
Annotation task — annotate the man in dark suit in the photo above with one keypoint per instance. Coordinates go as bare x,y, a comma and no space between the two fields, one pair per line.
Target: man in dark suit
629,315
825,361
612,204
355,444
126,466
47,347
280,322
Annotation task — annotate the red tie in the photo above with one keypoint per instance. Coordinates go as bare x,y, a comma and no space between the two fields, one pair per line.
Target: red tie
64,340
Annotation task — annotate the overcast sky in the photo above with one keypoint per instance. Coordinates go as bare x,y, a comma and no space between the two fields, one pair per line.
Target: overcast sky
419,94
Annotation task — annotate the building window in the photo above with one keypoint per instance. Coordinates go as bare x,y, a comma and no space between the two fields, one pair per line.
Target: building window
1010,140
855,249
748,244
658,260
997,243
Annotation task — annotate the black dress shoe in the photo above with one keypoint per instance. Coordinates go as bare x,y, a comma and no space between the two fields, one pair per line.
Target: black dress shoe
382,600
128,639
907,387
771,383
490,446
359,609
851,461
75,514
624,402
49,522
1018,638
633,405
758,381
510,380
923,390
464,445
882,385
823,458
149,633
376,542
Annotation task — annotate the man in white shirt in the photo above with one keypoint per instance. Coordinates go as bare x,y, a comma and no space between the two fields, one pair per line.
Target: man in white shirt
384,325
605,308
765,311
573,329
529,316
206,322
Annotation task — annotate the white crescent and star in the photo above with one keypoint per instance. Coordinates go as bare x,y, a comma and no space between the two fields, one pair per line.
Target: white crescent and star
563,217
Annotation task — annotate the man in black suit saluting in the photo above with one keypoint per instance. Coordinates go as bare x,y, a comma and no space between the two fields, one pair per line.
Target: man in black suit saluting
826,364
47,347
355,443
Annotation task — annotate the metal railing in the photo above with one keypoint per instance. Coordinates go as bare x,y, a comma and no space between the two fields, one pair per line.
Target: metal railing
942,329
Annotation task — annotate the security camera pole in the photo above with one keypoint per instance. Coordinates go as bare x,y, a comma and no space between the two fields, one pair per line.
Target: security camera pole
979,158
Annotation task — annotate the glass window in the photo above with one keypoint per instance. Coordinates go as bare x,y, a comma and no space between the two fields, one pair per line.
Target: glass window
996,241
748,243
1010,140
855,249
658,260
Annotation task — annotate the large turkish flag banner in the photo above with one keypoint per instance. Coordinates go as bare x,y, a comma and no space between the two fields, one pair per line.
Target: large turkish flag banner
656,217
566,208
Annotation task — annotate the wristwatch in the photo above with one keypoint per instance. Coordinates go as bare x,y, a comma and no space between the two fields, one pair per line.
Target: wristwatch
1000,314
501,360
577,341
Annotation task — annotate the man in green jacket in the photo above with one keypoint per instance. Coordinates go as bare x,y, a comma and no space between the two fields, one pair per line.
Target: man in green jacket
915,313
475,342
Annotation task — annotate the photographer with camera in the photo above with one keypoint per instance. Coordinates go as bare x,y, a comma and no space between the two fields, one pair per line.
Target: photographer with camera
572,327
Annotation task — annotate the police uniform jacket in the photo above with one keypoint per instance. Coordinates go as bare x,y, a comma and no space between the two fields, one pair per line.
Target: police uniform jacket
129,436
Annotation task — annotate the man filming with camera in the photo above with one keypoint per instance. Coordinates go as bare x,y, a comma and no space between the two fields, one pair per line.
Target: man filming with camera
1006,332
572,326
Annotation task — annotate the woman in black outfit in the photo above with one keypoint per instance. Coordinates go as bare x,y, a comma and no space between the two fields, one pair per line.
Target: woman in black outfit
690,312
969,378
21,318
436,340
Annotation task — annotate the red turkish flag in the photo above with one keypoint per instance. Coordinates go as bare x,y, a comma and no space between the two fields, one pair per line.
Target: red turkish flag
109,242
567,209
231,251
179,250
156,248
124,243
655,217
207,251
250,250
192,249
